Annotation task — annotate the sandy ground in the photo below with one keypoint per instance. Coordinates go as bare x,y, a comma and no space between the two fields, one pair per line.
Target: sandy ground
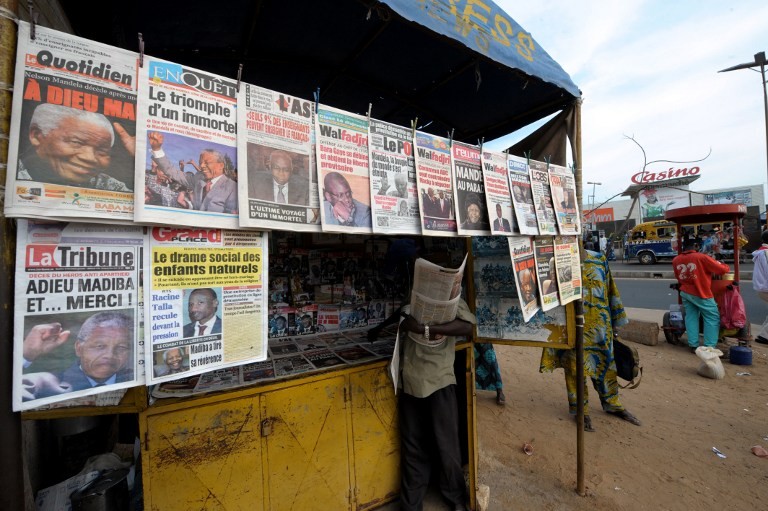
667,463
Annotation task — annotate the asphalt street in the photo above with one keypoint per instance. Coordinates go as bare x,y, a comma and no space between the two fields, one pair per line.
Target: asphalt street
647,287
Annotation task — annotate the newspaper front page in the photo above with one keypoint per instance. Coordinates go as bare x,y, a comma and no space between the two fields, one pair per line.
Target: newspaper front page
278,182
563,186
77,324
542,198
206,301
521,251
497,193
433,178
393,179
342,171
522,197
469,190
544,252
72,129
568,264
186,147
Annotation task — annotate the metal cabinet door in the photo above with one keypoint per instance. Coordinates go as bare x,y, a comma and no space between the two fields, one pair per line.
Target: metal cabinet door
306,454
205,457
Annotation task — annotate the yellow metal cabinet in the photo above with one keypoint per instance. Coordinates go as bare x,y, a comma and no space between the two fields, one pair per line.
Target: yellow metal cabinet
320,442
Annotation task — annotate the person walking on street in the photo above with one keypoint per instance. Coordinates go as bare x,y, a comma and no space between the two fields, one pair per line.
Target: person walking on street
694,272
760,281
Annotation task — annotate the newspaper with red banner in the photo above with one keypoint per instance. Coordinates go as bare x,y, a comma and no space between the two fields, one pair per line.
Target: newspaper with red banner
433,178
568,264
542,198
186,147
498,195
277,179
206,301
522,197
394,200
72,129
563,186
341,144
544,253
469,190
524,263
78,319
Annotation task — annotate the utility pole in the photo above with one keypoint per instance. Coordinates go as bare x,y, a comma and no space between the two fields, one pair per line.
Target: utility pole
759,62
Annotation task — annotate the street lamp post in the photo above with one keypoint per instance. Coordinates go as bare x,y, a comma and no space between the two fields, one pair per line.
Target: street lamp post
760,62
594,221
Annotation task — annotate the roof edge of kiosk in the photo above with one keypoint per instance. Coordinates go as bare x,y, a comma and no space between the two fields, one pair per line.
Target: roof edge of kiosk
490,31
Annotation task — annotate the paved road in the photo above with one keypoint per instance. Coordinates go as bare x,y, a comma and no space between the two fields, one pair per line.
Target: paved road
647,287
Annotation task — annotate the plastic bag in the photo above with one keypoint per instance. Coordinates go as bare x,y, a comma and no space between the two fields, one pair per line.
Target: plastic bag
711,366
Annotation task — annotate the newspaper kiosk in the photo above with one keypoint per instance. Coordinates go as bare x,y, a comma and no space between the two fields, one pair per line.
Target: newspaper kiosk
329,436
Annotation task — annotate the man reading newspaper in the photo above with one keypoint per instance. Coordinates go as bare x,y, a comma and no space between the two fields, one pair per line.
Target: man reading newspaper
428,409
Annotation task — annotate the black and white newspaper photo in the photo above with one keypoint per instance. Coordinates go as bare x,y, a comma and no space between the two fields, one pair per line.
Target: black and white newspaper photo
73,126
77,321
542,197
394,200
563,186
497,193
206,301
186,147
469,190
522,198
342,171
277,182
521,251
568,264
433,178
544,253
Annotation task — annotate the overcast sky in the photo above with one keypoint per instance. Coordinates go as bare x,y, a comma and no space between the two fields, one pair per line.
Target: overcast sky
648,69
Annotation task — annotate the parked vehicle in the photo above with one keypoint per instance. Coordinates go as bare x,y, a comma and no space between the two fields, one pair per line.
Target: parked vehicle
652,241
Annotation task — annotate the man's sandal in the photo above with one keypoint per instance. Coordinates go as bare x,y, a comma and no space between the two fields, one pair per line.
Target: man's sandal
501,400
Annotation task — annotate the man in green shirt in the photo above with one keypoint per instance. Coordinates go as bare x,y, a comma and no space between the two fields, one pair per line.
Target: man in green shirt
428,409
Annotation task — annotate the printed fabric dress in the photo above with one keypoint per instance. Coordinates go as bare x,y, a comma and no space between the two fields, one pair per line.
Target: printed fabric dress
487,374
603,313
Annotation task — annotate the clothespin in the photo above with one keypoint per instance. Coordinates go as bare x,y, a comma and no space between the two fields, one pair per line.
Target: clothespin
370,107
413,127
546,159
480,143
528,157
239,76
33,16
141,50
450,138
317,99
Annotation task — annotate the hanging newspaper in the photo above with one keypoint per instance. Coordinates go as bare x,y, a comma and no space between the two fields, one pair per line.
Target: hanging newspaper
469,191
433,176
278,188
77,322
206,302
568,264
544,252
393,179
522,198
497,193
71,138
542,197
186,147
563,186
521,251
342,170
